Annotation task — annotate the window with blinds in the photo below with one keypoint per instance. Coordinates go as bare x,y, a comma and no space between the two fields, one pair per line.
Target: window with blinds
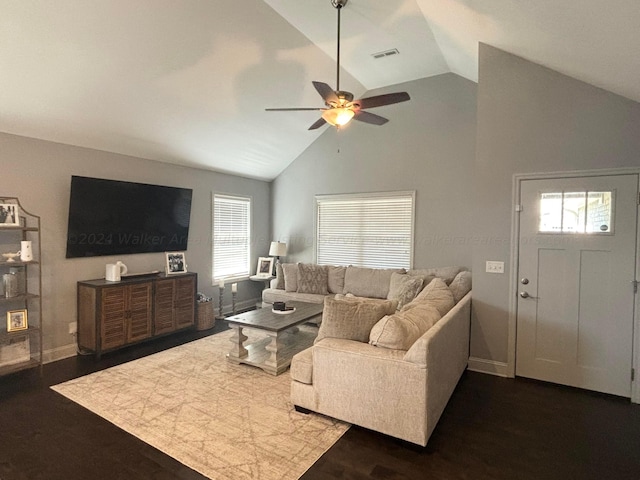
231,237
365,230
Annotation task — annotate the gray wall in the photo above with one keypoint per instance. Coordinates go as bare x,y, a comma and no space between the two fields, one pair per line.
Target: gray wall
427,146
530,120
39,174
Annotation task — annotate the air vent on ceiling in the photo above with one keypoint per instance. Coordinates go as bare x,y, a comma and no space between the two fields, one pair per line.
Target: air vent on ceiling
386,53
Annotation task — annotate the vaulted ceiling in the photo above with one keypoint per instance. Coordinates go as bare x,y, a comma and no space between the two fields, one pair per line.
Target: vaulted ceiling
187,81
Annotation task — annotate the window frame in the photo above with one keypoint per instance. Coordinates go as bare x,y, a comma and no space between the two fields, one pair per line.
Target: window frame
248,199
411,195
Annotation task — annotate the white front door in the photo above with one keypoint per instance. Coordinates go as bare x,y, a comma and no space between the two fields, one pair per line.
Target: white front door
576,266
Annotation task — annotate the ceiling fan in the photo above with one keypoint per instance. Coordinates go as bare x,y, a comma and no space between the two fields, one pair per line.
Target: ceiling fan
340,105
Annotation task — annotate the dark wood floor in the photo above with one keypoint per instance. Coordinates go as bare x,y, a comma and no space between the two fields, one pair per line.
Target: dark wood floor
493,428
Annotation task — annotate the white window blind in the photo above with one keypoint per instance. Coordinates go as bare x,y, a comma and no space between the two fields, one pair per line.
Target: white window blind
365,230
231,236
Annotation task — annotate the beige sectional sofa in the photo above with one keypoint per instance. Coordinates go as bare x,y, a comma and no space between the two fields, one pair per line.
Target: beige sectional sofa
389,354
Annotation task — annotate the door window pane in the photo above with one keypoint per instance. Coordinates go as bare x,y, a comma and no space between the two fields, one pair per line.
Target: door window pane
599,218
576,212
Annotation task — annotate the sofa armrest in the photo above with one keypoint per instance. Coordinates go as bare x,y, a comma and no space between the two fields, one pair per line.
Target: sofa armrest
450,332
273,283
445,350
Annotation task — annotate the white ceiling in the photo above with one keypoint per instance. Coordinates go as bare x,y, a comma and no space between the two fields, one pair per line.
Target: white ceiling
187,81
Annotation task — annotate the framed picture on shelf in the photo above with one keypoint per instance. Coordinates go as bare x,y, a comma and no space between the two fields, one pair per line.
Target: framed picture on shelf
176,263
265,267
16,320
9,215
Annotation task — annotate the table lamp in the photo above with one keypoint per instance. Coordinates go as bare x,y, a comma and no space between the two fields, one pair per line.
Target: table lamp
277,249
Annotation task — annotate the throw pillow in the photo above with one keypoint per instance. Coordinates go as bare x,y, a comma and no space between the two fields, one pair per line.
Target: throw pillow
403,288
312,278
290,271
437,294
351,319
335,283
401,330
461,285
279,276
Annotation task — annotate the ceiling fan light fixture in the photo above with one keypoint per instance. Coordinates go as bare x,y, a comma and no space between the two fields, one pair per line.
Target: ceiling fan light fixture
340,106
338,116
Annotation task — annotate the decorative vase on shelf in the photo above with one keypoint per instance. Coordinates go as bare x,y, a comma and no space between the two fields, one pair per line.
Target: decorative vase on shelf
10,283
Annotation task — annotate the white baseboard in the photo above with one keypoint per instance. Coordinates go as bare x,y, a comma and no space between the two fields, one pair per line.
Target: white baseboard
488,366
59,353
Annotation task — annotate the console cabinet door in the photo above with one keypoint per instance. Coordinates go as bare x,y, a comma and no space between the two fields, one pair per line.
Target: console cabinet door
139,311
164,319
113,307
174,304
184,301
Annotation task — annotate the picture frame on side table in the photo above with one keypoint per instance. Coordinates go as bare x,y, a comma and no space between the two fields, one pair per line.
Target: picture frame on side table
17,320
176,263
265,267
9,215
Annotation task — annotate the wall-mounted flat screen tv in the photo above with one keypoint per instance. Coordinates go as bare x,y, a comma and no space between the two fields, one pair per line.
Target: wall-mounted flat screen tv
111,217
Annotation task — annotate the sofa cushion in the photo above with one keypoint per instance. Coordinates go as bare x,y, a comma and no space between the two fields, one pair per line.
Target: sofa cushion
368,282
270,295
349,296
437,294
351,319
461,285
403,288
290,271
312,278
401,330
279,277
445,273
335,282
302,366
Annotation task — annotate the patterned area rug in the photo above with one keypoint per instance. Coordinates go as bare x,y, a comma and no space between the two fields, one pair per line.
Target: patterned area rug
225,421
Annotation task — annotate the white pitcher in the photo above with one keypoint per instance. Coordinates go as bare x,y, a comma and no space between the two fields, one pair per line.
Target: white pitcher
26,251
115,271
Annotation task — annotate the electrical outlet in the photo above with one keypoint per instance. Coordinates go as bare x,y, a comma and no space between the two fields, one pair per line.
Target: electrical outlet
73,327
494,267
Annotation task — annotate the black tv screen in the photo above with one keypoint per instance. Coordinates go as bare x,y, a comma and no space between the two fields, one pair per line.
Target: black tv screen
110,217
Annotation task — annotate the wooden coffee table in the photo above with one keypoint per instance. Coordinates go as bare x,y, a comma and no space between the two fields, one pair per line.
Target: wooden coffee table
284,339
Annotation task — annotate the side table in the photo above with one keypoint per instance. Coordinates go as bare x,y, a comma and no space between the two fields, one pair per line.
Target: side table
266,280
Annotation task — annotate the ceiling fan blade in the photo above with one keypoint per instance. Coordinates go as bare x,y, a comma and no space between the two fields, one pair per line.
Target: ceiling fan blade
371,118
381,100
326,92
291,109
320,122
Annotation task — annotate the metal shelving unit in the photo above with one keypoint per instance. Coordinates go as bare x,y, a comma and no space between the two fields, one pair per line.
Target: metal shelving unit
20,348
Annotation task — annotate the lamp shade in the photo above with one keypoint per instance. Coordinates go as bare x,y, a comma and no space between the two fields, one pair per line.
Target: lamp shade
278,249
338,116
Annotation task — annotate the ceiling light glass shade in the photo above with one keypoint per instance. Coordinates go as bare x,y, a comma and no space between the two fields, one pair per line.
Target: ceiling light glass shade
338,116
278,249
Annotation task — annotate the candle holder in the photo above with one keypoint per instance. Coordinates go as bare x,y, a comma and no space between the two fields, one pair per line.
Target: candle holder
233,301
220,294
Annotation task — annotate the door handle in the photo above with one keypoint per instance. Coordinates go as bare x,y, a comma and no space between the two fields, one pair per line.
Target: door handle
525,294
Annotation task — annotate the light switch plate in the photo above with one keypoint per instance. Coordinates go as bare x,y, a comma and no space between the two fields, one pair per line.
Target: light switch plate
494,267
